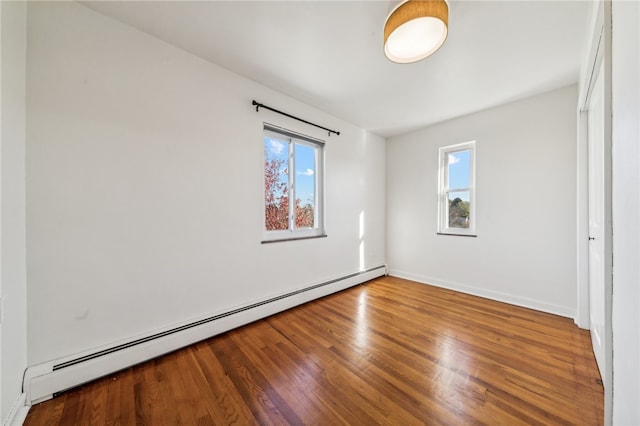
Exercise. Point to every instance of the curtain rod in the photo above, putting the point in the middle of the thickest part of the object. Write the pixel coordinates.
(258, 105)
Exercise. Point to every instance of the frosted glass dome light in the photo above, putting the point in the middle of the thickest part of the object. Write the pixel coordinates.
(415, 29)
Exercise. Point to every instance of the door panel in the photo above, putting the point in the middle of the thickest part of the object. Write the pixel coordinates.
(596, 221)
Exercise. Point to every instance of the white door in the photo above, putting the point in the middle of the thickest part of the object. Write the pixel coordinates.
(596, 221)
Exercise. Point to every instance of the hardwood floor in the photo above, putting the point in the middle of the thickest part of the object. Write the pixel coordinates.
(387, 352)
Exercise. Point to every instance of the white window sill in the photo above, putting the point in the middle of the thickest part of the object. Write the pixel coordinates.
(455, 234)
(301, 237)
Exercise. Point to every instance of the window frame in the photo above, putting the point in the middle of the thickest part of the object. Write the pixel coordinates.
(444, 189)
(292, 139)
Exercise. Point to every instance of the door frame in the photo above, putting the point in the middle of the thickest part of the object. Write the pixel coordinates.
(599, 53)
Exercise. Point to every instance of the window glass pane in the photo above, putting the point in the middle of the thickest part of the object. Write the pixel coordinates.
(305, 186)
(458, 209)
(276, 183)
(293, 184)
(459, 169)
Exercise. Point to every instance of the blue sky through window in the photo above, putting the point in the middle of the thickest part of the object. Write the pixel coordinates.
(459, 171)
(305, 174)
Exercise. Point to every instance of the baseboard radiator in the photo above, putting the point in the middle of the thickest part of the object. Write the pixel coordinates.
(43, 381)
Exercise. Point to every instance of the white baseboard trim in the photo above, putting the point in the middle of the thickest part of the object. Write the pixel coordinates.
(42, 381)
(18, 412)
(488, 294)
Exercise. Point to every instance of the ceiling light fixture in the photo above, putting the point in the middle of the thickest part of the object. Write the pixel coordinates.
(415, 29)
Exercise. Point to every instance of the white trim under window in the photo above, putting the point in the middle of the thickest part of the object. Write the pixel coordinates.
(293, 170)
(457, 189)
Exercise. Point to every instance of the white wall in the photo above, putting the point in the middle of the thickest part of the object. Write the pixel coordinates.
(144, 176)
(525, 249)
(13, 343)
(626, 211)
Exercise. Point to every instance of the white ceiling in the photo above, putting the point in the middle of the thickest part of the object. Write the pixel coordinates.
(329, 53)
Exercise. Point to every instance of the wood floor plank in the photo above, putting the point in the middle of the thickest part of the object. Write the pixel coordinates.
(72, 407)
(177, 399)
(342, 406)
(264, 402)
(120, 405)
(227, 402)
(96, 408)
(294, 387)
(388, 352)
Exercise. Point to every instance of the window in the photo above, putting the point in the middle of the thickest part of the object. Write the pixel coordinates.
(456, 196)
(292, 171)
